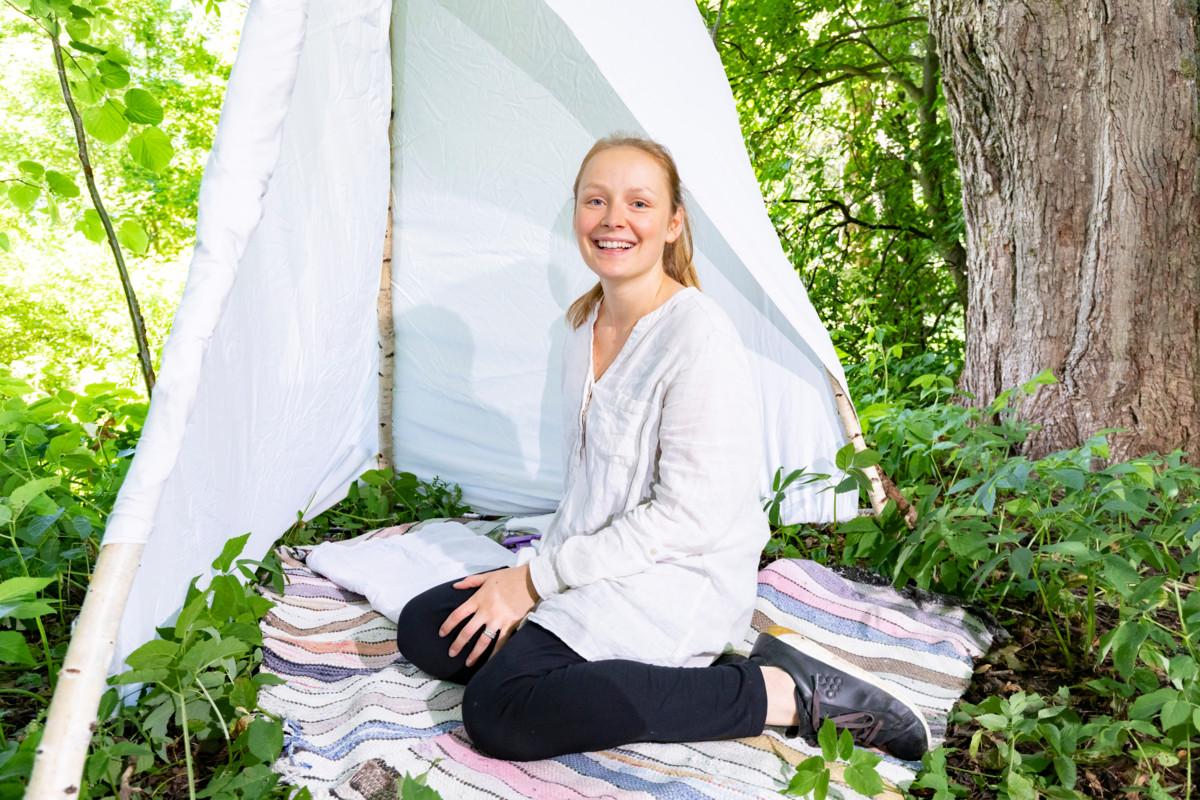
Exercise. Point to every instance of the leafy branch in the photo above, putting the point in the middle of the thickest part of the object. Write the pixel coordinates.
(135, 311)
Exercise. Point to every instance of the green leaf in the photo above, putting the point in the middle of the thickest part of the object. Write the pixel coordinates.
(1147, 705)
(201, 655)
(142, 107)
(140, 676)
(1126, 641)
(27, 610)
(31, 168)
(1069, 477)
(21, 588)
(152, 149)
(24, 196)
(993, 722)
(804, 780)
(191, 611)
(1123, 577)
(88, 91)
(84, 47)
(865, 458)
(864, 780)
(845, 746)
(231, 550)
(415, 789)
(24, 494)
(844, 456)
(117, 55)
(91, 226)
(61, 184)
(1020, 561)
(1065, 769)
(264, 740)
(79, 29)
(14, 649)
(1043, 378)
(821, 790)
(243, 694)
(131, 234)
(112, 74)
(1175, 712)
(5, 244)
(153, 654)
(827, 738)
(105, 122)
(1020, 787)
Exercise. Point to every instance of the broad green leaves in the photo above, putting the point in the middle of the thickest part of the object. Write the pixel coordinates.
(24, 196)
(14, 649)
(142, 107)
(151, 149)
(201, 681)
(858, 770)
(105, 121)
(112, 75)
(61, 185)
(131, 234)
(111, 111)
(91, 226)
(853, 151)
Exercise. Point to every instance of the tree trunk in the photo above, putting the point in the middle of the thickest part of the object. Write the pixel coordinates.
(1077, 132)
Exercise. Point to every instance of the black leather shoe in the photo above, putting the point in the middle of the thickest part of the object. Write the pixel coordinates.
(829, 687)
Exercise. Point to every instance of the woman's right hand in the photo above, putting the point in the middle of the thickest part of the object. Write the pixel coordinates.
(503, 599)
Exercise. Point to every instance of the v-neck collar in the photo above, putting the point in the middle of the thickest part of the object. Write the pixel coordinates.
(648, 317)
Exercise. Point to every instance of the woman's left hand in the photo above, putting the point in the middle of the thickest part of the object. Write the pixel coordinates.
(503, 599)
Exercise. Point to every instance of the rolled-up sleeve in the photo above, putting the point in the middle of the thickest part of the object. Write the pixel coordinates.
(710, 444)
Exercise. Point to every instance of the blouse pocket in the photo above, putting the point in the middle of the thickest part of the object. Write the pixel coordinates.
(614, 426)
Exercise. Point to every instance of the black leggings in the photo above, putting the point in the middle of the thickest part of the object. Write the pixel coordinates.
(538, 698)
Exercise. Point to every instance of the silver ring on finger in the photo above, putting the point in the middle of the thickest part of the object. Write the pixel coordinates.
(491, 634)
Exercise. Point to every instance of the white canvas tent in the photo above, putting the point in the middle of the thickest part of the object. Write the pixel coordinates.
(471, 119)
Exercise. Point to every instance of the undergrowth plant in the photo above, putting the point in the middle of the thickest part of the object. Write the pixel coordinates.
(1090, 565)
(855, 766)
(184, 720)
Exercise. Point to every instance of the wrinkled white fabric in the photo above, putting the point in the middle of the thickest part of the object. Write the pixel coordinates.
(653, 552)
(391, 571)
(266, 404)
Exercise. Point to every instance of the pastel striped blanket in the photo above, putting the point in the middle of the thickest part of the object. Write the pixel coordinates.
(357, 715)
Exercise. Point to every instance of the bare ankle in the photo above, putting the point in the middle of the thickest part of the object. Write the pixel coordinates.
(781, 697)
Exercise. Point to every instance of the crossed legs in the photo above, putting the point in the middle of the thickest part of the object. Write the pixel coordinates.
(538, 698)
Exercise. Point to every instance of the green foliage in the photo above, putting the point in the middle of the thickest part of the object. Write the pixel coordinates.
(1094, 562)
(380, 497)
(813, 774)
(416, 788)
(201, 688)
(156, 79)
(190, 722)
(843, 116)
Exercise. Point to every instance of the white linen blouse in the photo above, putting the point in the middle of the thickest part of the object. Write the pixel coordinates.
(653, 553)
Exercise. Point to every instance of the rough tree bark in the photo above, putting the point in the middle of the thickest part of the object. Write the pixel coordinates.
(1077, 132)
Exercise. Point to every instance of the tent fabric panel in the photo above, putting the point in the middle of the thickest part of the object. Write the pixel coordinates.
(495, 106)
(484, 260)
(279, 316)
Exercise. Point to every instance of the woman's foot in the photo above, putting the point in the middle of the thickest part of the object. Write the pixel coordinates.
(826, 686)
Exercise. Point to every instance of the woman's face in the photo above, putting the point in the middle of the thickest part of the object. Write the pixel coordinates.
(623, 216)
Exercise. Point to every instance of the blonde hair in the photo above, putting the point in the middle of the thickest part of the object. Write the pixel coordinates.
(677, 255)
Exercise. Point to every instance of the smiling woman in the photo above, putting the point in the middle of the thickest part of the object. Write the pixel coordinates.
(647, 572)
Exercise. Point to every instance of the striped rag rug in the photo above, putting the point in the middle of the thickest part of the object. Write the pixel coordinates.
(357, 715)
